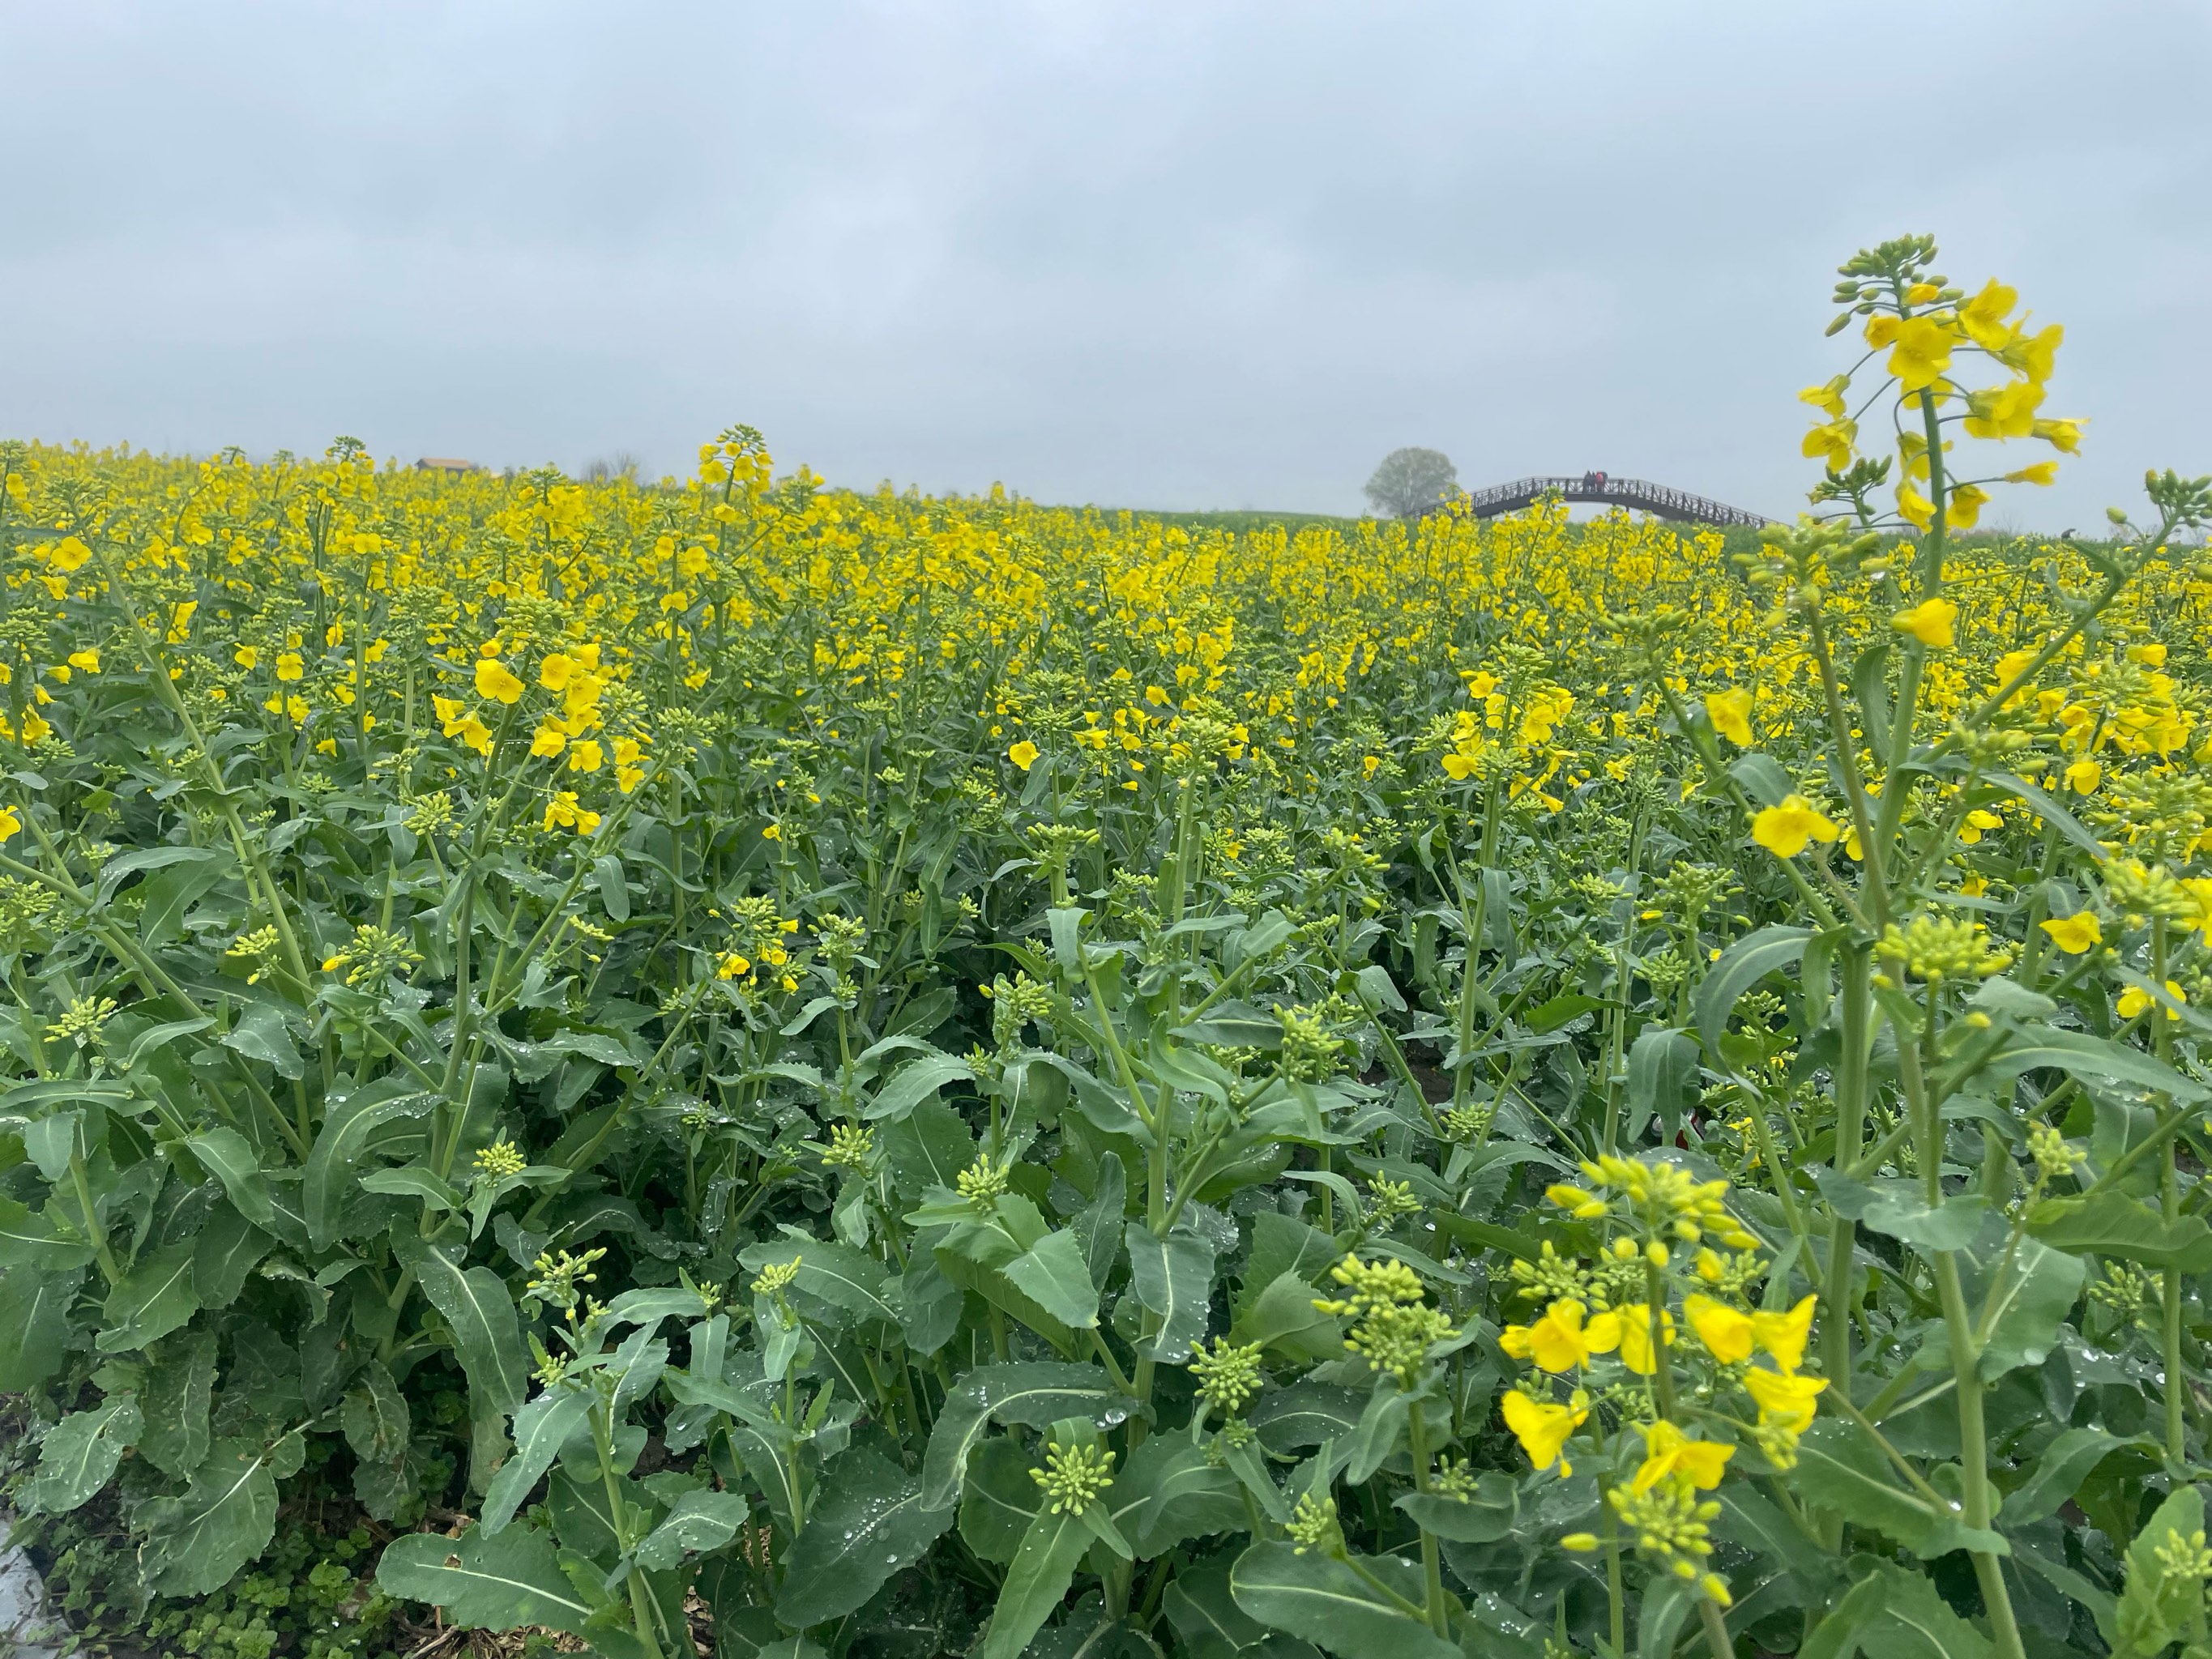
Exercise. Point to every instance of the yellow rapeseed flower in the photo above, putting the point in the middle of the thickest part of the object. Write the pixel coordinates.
(1784, 830)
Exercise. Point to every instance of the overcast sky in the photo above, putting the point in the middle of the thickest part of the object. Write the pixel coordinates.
(1183, 254)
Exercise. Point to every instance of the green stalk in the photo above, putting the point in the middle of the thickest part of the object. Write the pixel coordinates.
(1417, 1435)
(2169, 1198)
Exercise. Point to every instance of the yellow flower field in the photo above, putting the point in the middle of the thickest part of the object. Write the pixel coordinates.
(1037, 1078)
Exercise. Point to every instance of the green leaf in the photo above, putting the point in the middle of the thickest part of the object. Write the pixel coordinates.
(1900, 1208)
(1662, 1068)
(341, 1145)
(997, 1498)
(1169, 1493)
(928, 1147)
(1035, 1394)
(2111, 1224)
(1284, 1315)
(2093, 1060)
(262, 1034)
(1054, 1274)
(1762, 777)
(1306, 1413)
(30, 1239)
(1841, 1469)
(1097, 1225)
(837, 1273)
(151, 1300)
(869, 1523)
(1741, 966)
(490, 1581)
(2026, 1304)
(2047, 808)
(1173, 1277)
(1552, 1013)
(1483, 1517)
(1036, 1581)
(34, 1325)
(374, 1415)
(914, 1082)
(481, 1313)
(1903, 1617)
(413, 1181)
(175, 1402)
(542, 1427)
(1206, 1616)
(697, 1521)
(79, 1454)
(1324, 1602)
(195, 1543)
(226, 1249)
(226, 1155)
(2057, 1475)
(2153, 1604)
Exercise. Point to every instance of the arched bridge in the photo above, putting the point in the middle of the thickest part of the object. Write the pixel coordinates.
(1677, 504)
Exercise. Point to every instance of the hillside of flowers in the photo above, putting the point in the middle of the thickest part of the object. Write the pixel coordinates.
(594, 1065)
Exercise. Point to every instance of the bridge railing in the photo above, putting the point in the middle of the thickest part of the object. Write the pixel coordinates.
(1680, 504)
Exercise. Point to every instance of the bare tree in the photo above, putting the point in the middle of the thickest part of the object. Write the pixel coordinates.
(1410, 481)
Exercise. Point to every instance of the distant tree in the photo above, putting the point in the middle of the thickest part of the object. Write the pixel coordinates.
(1410, 481)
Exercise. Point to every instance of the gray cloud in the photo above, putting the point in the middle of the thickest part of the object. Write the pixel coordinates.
(1212, 254)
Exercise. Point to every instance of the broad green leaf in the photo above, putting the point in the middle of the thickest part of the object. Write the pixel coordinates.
(1306, 1413)
(1173, 1277)
(1900, 1208)
(1661, 1068)
(1037, 1580)
(151, 1300)
(2093, 1060)
(488, 1581)
(1035, 1394)
(542, 1427)
(1284, 1315)
(374, 1415)
(1097, 1225)
(2155, 1605)
(413, 1181)
(999, 1499)
(226, 1249)
(914, 1082)
(79, 1454)
(697, 1521)
(869, 1523)
(1741, 966)
(342, 1144)
(2058, 1474)
(225, 1516)
(928, 1147)
(178, 1391)
(839, 1274)
(476, 1306)
(2111, 1224)
(1054, 1274)
(1839, 1467)
(1486, 1514)
(1325, 1602)
(2024, 1301)
(30, 1240)
(1178, 1494)
(1206, 1615)
(261, 1033)
(34, 1325)
(1895, 1614)
(225, 1154)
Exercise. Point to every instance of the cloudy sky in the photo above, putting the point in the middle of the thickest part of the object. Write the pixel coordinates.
(1194, 253)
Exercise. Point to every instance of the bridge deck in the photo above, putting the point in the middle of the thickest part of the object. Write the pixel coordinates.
(1679, 505)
